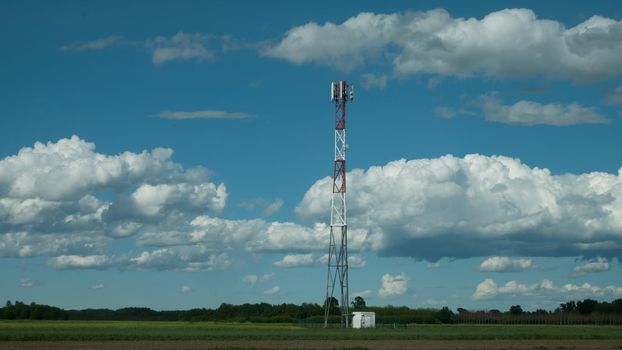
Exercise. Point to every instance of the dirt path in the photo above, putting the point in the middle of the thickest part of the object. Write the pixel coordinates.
(316, 344)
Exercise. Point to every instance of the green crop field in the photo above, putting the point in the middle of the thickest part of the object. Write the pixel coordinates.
(121, 330)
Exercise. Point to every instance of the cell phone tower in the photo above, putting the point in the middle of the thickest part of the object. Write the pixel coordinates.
(340, 94)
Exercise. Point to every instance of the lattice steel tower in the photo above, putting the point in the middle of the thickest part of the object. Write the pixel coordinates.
(340, 94)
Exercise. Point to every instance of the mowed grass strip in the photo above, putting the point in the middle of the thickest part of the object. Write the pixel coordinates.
(143, 330)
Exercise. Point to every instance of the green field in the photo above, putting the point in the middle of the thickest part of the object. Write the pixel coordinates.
(121, 330)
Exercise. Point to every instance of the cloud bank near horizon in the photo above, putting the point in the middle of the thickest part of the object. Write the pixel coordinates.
(66, 201)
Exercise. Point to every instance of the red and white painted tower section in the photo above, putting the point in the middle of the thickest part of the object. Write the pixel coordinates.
(340, 94)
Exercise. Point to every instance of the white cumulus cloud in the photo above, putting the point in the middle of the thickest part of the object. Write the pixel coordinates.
(433, 265)
(445, 112)
(371, 81)
(28, 244)
(266, 277)
(345, 46)
(488, 288)
(599, 265)
(295, 260)
(26, 282)
(97, 44)
(80, 262)
(393, 285)
(180, 46)
(152, 199)
(205, 114)
(484, 205)
(354, 261)
(187, 258)
(49, 204)
(505, 264)
(273, 207)
(272, 291)
(505, 43)
(70, 168)
(254, 235)
(534, 113)
(250, 280)
(587, 290)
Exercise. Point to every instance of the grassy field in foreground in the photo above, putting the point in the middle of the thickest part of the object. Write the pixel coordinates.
(121, 330)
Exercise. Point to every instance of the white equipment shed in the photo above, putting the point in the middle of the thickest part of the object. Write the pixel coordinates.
(363, 319)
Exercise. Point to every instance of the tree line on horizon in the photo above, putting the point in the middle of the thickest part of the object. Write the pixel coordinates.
(587, 311)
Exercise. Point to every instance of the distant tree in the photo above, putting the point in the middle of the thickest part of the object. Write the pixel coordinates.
(568, 307)
(601, 313)
(445, 315)
(516, 310)
(603, 308)
(332, 301)
(462, 310)
(333, 304)
(226, 311)
(22, 311)
(586, 306)
(358, 302)
(9, 312)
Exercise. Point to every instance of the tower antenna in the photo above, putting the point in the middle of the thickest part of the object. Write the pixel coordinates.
(340, 94)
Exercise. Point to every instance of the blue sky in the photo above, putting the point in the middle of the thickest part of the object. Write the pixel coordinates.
(176, 155)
